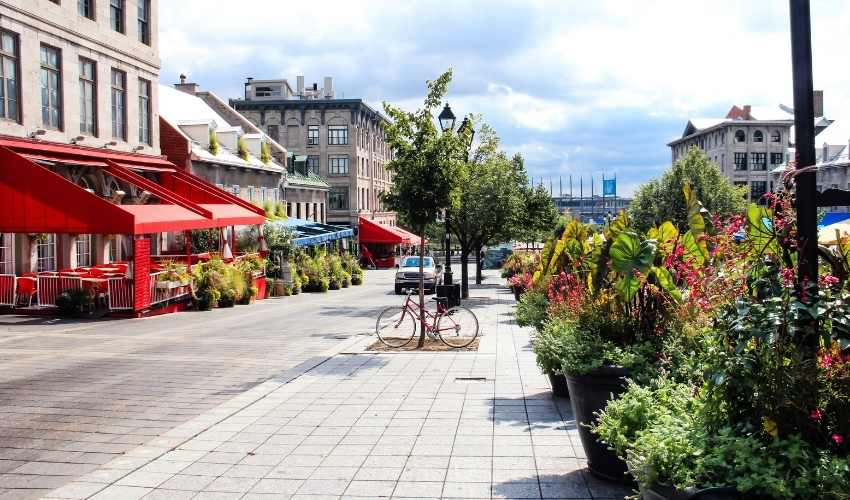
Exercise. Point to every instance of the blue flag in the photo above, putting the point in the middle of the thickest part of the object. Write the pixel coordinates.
(609, 187)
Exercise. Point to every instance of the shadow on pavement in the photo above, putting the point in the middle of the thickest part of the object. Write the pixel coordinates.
(576, 483)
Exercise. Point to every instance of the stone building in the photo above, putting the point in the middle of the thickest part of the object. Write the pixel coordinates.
(747, 144)
(79, 73)
(342, 139)
(188, 125)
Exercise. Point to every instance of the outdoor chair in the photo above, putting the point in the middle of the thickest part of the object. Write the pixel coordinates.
(27, 288)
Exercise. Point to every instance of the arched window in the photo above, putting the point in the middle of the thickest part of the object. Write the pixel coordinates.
(740, 136)
(776, 136)
(758, 136)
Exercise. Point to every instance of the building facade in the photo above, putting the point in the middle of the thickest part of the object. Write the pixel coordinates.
(342, 139)
(744, 147)
(82, 73)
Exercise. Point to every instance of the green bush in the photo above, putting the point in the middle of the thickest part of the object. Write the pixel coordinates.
(531, 309)
(547, 348)
(75, 302)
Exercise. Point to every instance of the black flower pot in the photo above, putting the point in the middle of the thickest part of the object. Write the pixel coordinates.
(517, 292)
(668, 493)
(559, 385)
(589, 394)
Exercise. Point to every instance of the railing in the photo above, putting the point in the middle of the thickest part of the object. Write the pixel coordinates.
(7, 289)
(50, 287)
(120, 296)
(164, 291)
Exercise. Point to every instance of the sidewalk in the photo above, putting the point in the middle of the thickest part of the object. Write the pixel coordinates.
(362, 425)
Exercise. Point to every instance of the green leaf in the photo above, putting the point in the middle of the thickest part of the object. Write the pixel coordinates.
(629, 253)
(665, 281)
(760, 229)
(666, 234)
(692, 248)
(696, 223)
(627, 286)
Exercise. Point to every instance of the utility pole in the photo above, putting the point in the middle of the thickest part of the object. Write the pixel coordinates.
(804, 120)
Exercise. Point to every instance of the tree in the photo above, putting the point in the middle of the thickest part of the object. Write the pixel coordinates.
(539, 215)
(425, 169)
(489, 202)
(661, 199)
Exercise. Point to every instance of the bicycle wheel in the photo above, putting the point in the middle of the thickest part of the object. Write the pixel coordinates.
(395, 327)
(457, 327)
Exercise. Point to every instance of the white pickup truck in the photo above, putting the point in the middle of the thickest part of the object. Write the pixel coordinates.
(407, 276)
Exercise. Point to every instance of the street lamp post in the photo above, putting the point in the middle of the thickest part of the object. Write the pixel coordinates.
(447, 122)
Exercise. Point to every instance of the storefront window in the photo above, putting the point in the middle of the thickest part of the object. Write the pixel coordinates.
(46, 253)
(7, 253)
(83, 248)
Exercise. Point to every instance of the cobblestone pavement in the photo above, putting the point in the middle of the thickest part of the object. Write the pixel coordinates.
(365, 425)
(76, 395)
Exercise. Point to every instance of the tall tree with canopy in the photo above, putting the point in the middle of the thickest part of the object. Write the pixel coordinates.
(426, 168)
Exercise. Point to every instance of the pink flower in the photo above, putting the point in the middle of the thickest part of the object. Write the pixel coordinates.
(827, 281)
(816, 415)
(826, 360)
(787, 274)
(838, 438)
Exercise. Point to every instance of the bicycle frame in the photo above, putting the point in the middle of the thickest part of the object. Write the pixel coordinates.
(412, 306)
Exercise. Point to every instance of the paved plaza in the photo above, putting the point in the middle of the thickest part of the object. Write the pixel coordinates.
(367, 425)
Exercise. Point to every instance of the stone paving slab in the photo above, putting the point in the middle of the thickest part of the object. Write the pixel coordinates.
(364, 425)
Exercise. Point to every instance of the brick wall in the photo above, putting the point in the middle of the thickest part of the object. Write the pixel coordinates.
(174, 145)
(141, 273)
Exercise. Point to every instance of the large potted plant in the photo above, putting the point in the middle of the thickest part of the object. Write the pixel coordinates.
(547, 349)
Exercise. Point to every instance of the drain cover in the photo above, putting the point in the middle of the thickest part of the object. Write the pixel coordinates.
(470, 379)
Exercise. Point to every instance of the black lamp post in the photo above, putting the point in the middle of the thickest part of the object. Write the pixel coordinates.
(447, 122)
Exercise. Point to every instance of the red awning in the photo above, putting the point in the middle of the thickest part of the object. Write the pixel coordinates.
(414, 240)
(373, 232)
(34, 199)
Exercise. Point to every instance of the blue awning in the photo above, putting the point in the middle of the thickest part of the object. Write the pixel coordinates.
(308, 233)
(832, 217)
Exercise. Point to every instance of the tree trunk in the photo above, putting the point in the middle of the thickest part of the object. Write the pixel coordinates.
(478, 263)
(421, 289)
(464, 272)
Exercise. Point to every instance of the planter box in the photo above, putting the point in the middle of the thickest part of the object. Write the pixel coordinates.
(590, 394)
(559, 385)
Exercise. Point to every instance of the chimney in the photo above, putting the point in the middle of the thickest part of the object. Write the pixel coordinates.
(748, 112)
(329, 87)
(189, 88)
(300, 85)
(818, 102)
(248, 89)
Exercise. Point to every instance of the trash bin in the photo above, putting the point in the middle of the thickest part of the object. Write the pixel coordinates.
(449, 293)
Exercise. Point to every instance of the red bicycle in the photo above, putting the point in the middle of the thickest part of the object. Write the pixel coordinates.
(456, 327)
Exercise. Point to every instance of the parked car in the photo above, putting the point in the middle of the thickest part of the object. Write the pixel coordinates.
(495, 256)
(407, 276)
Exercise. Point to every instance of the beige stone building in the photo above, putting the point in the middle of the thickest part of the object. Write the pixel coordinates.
(342, 139)
(81, 71)
(747, 145)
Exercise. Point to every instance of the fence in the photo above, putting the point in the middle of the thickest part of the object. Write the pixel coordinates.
(50, 287)
(164, 291)
(120, 294)
(7, 289)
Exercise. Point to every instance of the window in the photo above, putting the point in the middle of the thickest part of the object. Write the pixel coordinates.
(268, 91)
(740, 161)
(776, 136)
(83, 248)
(9, 76)
(338, 198)
(740, 136)
(274, 132)
(51, 96)
(7, 253)
(758, 136)
(250, 193)
(337, 165)
(119, 105)
(88, 97)
(338, 135)
(757, 191)
(85, 8)
(145, 21)
(237, 191)
(145, 112)
(46, 254)
(313, 135)
(116, 15)
(758, 161)
(313, 164)
(777, 158)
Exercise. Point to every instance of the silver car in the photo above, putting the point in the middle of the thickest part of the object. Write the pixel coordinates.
(407, 276)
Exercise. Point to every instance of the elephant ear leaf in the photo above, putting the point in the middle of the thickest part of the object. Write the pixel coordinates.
(760, 229)
(696, 223)
(665, 281)
(629, 253)
(666, 235)
(693, 250)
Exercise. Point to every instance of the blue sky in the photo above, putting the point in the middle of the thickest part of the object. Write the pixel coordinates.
(577, 87)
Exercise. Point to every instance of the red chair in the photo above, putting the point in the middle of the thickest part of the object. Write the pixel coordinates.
(27, 288)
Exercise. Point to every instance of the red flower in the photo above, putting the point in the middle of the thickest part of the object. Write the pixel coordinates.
(816, 415)
(826, 360)
(838, 438)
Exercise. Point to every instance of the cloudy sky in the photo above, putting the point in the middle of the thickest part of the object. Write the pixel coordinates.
(578, 87)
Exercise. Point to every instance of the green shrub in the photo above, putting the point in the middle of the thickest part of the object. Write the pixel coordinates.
(265, 153)
(531, 309)
(214, 147)
(242, 149)
(547, 348)
(75, 302)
